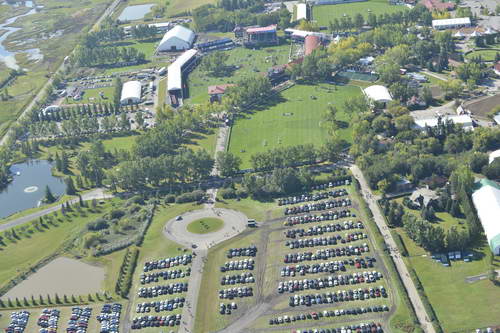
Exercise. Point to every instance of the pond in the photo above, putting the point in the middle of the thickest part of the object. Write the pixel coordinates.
(136, 12)
(28, 186)
(64, 276)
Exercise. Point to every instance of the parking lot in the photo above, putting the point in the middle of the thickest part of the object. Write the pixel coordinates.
(314, 265)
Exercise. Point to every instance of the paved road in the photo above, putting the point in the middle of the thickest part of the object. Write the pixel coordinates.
(94, 194)
(396, 257)
(41, 92)
(234, 223)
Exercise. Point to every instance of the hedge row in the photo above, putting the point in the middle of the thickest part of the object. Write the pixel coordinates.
(126, 273)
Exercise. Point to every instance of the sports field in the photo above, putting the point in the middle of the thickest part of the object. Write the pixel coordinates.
(324, 14)
(295, 120)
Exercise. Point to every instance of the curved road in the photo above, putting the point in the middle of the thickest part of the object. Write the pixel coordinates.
(413, 294)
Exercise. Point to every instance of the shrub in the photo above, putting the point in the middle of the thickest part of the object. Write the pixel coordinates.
(228, 193)
(190, 196)
(117, 213)
(136, 199)
(170, 198)
(97, 225)
(241, 193)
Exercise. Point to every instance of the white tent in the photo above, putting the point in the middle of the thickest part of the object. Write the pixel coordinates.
(378, 93)
(301, 11)
(487, 202)
(453, 23)
(475, 34)
(493, 155)
(176, 39)
(464, 120)
(175, 70)
(459, 34)
(131, 93)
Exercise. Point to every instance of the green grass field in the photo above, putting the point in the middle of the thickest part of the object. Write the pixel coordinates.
(324, 14)
(295, 120)
(93, 96)
(120, 142)
(486, 55)
(162, 92)
(205, 225)
(250, 62)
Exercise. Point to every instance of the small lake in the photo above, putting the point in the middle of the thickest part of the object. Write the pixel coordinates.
(64, 276)
(6, 56)
(28, 187)
(136, 12)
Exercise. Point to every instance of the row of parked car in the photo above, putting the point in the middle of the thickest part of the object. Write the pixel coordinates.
(18, 322)
(354, 328)
(250, 251)
(327, 314)
(245, 277)
(323, 254)
(109, 318)
(172, 288)
(185, 260)
(338, 296)
(312, 218)
(236, 292)
(238, 265)
(318, 206)
(311, 197)
(343, 182)
(159, 306)
(324, 241)
(226, 309)
(79, 319)
(329, 281)
(318, 230)
(49, 320)
(327, 267)
(155, 321)
(165, 275)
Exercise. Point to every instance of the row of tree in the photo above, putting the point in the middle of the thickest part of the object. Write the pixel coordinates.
(110, 55)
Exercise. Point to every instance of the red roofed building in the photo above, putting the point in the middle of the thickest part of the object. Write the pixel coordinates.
(310, 44)
(496, 68)
(217, 91)
(260, 36)
(438, 5)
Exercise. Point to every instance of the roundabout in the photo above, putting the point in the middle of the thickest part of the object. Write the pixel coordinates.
(204, 228)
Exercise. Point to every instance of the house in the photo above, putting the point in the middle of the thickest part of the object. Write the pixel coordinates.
(260, 36)
(216, 92)
(487, 202)
(423, 197)
(177, 39)
(438, 5)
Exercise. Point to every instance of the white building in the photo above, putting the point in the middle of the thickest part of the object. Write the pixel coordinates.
(378, 93)
(464, 120)
(454, 23)
(131, 93)
(177, 39)
(493, 155)
(175, 70)
(302, 12)
(51, 109)
(487, 203)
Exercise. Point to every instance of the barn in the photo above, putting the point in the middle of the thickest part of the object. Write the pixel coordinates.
(177, 39)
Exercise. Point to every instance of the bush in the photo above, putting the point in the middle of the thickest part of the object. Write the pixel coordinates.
(97, 225)
(190, 196)
(136, 199)
(228, 193)
(170, 198)
(241, 193)
(117, 213)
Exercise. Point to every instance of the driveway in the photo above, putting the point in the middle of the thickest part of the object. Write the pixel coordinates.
(413, 295)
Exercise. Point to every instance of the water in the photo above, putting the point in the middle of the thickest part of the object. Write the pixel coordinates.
(28, 187)
(7, 57)
(137, 12)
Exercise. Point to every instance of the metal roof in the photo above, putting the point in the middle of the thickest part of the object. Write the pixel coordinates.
(451, 22)
(175, 70)
(179, 32)
(378, 93)
(131, 90)
(487, 202)
(270, 28)
(301, 11)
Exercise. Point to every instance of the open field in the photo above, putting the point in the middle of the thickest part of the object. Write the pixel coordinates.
(248, 62)
(295, 120)
(324, 14)
(486, 55)
(482, 107)
(205, 226)
(119, 143)
(94, 96)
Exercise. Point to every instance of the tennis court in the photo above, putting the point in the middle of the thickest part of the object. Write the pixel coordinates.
(359, 76)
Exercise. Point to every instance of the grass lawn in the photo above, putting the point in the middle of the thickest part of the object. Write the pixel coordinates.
(204, 141)
(93, 96)
(120, 142)
(324, 14)
(295, 120)
(249, 62)
(205, 225)
(486, 55)
(162, 92)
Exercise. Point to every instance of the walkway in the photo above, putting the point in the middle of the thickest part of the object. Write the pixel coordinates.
(97, 194)
(234, 223)
(396, 257)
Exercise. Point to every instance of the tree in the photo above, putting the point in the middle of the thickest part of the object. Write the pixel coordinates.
(139, 119)
(117, 92)
(215, 63)
(49, 197)
(227, 163)
(70, 186)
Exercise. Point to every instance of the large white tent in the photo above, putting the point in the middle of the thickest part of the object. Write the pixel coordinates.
(378, 93)
(175, 70)
(452, 23)
(131, 93)
(177, 39)
(487, 203)
(302, 11)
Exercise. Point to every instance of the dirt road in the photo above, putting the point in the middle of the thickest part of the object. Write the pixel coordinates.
(396, 257)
